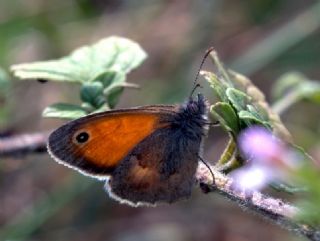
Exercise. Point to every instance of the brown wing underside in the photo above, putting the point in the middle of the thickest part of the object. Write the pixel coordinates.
(157, 170)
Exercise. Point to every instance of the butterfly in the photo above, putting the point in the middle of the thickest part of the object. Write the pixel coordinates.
(146, 155)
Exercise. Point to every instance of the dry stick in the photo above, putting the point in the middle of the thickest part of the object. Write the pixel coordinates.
(23, 144)
(269, 208)
(272, 209)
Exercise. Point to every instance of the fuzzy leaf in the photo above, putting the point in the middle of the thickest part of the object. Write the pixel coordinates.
(115, 83)
(114, 95)
(310, 91)
(65, 111)
(86, 63)
(256, 111)
(92, 93)
(4, 94)
(238, 99)
(113, 80)
(298, 85)
(248, 118)
(218, 86)
(226, 116)
(4, 81)
(261, 107)
(286, 82)
(110, 77)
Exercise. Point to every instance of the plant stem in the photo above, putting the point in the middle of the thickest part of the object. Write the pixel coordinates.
(273, 209)
(23, 144)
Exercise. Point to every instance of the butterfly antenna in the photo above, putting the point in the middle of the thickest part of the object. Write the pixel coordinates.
(207, 165)
(195, 84)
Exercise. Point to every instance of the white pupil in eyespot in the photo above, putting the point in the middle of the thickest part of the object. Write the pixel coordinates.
(82, 137)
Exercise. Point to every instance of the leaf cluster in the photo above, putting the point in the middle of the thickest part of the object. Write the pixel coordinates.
(241, 104)
(100, 70)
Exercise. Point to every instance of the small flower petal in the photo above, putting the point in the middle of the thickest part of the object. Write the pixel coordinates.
(259, 143)
(254, 177)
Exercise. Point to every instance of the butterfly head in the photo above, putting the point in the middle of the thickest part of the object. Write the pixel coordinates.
(197, 106)
(192, 117)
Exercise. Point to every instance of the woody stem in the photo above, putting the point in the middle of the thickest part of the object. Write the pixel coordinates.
(273, 209)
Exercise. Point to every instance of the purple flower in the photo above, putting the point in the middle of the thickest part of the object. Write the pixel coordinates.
(267, 157)
(252, 177)
(259, 144)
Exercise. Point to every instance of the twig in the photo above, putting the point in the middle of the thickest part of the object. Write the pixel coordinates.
(275, 210)
(272, 209)
(23, 144)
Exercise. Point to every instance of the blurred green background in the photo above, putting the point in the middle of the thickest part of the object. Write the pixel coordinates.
(41, 200)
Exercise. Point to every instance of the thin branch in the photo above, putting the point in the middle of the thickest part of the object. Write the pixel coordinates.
(275, 210)
(23, 144)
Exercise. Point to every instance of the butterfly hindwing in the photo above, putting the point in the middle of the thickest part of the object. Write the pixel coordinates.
(161, 168)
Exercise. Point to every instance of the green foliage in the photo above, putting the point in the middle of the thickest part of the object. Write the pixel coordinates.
(226, 116)
(297, 84)
(293, 87)
(4, 90)
(241, 104)
(65, 111)
(288, 90)
(308, 175)
(100, 69)
(4, 81)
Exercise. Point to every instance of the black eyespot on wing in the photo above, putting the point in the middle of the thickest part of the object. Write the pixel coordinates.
(82, 137)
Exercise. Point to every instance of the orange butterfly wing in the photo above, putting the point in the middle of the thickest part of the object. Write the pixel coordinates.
(110, 137)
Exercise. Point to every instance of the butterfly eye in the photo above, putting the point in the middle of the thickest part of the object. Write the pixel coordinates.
(82, 137)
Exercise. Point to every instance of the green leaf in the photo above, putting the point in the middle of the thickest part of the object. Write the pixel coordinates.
(257, 112)
(259, 107)
(296, 85)
(110, 77)
(65, 111)
(245, 85)
(103, 108)
(113, 80)
(218, 86)
(286, 82)
(92, 93)
(4, 81)
(310, 91)
(114, 83)
(238, 99)
(114, 95)
(249, 118)
(5, 85)
(226, 116)
(86, 63)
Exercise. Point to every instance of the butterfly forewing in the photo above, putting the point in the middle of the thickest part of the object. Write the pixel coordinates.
(96, 144)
